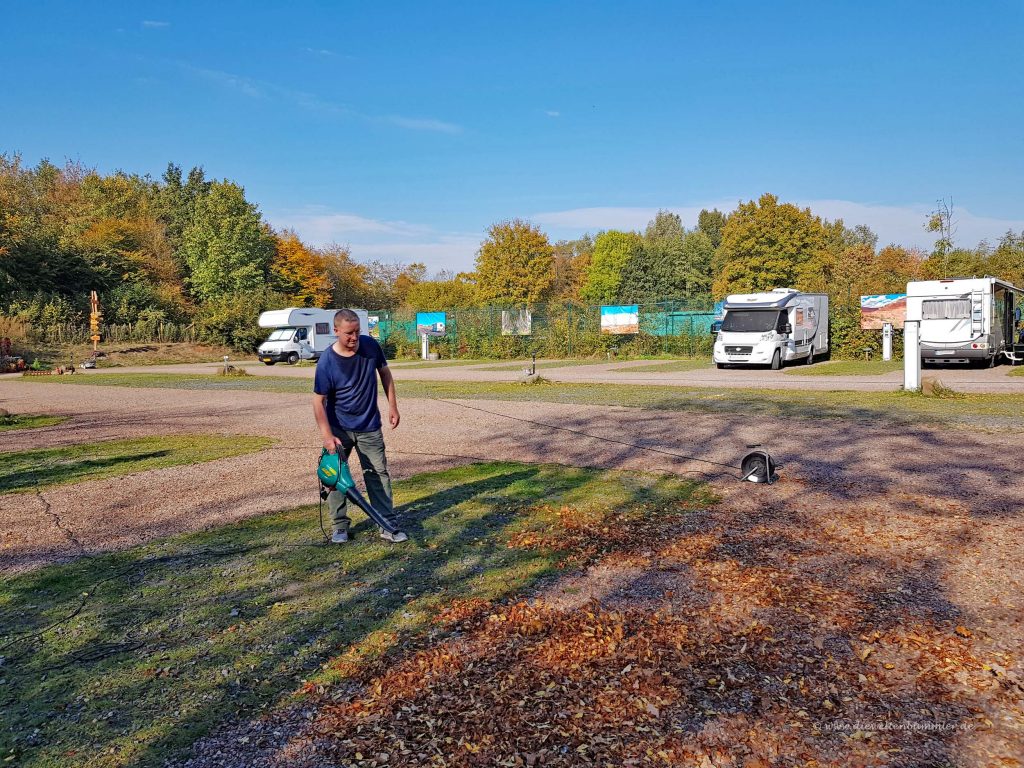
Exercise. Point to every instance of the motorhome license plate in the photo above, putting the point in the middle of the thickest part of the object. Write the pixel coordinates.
(946, 352)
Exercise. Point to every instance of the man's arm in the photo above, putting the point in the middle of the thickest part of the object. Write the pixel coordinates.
(320, 414)
(389, 389)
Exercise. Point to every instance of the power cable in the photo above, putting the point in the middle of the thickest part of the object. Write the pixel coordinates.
(768, 464)
(594, 437)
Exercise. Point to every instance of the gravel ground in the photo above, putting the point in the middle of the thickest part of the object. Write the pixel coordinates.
(925, 519)
(993, 380)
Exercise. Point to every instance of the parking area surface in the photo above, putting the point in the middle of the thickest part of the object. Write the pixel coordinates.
(921, 525)
(978, 380)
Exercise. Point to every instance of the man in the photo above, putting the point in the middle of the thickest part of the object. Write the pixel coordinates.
(345, 407)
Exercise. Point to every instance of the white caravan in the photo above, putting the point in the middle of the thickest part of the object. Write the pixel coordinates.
(772, 328)
(967, 319)
(300, 334)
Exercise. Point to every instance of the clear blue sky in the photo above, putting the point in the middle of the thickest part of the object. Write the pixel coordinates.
(406, 128)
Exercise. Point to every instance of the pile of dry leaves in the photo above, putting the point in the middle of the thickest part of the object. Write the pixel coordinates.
(741, 661)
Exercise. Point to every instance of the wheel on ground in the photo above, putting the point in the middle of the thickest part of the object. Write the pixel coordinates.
(720, 366)
(993, 361)
(776, 360)
(293, 358)
(810, 356)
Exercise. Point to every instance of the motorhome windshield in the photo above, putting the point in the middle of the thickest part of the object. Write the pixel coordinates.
(281, 334)
(751, 320)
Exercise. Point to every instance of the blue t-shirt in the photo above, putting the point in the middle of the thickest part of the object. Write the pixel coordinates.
(350, 385)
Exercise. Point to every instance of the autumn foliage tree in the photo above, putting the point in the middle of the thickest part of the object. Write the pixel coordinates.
(300, 272)
(515, 265)
(766, 245)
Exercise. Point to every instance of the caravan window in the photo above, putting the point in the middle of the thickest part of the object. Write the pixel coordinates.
(300, 335)
(322, 328)
(946, 309)
(750, 320)
(281, 334)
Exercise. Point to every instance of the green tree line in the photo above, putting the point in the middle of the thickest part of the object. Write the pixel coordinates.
(186, 249)
(183, 249)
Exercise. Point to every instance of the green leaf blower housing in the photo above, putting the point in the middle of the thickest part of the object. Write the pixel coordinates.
(334, 475)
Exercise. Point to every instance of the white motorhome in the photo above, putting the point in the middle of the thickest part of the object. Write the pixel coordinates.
(300, 334)
(966, 320)
(772, 328)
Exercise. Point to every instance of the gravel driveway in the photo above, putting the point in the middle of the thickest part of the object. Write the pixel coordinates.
(851, 463)
(993, 380)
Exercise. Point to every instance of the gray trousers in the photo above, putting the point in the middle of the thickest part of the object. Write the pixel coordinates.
(370, 450)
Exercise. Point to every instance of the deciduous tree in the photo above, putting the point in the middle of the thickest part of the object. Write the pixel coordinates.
(226, 245)
(300, 272)
(613, 250)
(515, 265)
(766, 245)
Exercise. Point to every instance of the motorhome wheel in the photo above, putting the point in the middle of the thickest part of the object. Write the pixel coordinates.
(777, 360)
(810, 356)
(293, 358)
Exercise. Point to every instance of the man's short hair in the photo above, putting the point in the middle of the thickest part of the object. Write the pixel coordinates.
(345, 314)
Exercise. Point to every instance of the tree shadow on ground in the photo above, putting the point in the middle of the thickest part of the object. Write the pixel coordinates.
(190, 631)
(61, 471)
(858, 612)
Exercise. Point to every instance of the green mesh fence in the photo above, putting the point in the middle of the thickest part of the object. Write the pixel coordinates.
(554, 330)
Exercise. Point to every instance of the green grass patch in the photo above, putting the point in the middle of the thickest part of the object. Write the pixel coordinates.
(543, 364)
(847, 368)
(417, 364)
(126, 659)
(10, 421)
(989, 411)
(23, 471)
(1017, 370)
(687, 364)
(199, 381)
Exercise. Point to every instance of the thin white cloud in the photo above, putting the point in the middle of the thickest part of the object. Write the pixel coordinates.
(376, 239)
(904, 224)
(622, 218)
(900, 224)
(455, 253)
(246, 85)
(552, 113)
(423, 124)
(148, 24)
(262, 89)
(319, 51)
(321, 226)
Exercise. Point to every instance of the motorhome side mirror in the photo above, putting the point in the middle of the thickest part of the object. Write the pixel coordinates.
(715, 328)
(787, 328)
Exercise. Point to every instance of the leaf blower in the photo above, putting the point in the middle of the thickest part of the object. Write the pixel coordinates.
(334, 476)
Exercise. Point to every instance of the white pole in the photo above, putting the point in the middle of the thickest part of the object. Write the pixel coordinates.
(887, 341)
(425, 348)
(912, 356)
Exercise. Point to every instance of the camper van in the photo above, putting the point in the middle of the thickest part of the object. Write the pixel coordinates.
(772, 328)
(966, 320)
(300, 334)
